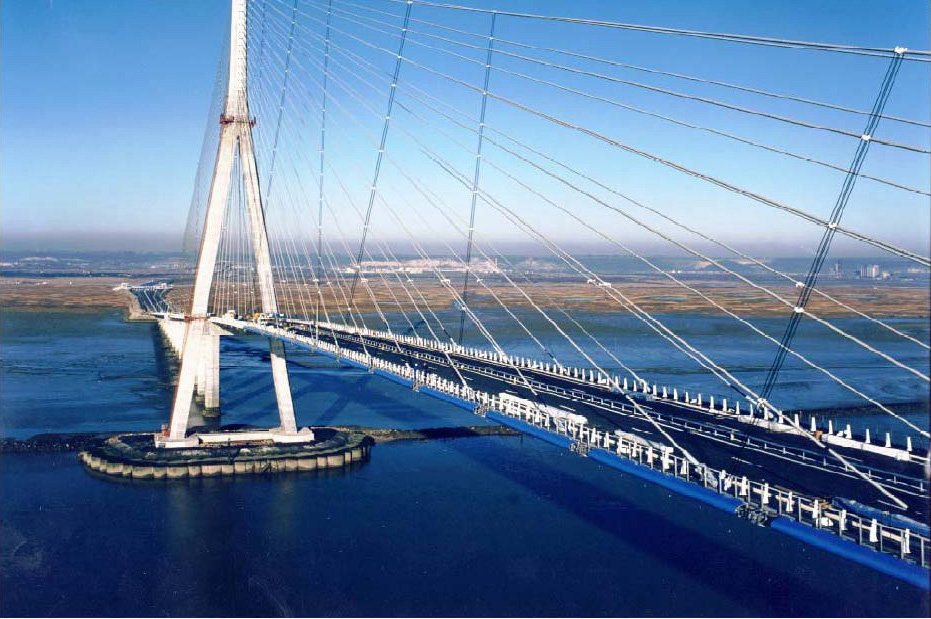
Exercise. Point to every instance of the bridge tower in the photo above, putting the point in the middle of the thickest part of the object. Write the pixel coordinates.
(199, 357)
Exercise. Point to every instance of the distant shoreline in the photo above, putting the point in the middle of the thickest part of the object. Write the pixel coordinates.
(97, 294)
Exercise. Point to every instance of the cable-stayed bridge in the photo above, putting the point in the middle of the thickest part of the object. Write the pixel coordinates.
(415, 188)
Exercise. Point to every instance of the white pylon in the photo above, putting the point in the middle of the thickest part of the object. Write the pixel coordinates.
(235, 134)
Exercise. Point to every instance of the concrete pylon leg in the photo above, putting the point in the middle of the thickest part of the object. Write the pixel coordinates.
(212, 373)
(190, 358)
(196, 325)
(282, 386)
(265, 278)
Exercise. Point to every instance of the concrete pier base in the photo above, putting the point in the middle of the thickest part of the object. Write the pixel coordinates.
(173, 330)
(208, 375)
(304, 436)
(134, 456)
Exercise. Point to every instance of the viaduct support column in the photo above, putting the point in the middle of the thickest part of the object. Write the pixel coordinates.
(190, 358)
(201, 380)
(211, 356)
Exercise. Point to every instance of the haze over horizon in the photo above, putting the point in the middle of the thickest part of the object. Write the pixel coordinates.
(171, 244)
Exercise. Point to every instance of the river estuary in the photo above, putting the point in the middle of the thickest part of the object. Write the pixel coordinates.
(490, 526)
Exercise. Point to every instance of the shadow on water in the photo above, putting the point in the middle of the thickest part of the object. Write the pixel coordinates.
(343, 401)
(166, 364)
(681, 548)
(241, 398)
(348, 386)
(630, 512)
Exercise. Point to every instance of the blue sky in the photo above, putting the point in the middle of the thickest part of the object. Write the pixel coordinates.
(103, 103)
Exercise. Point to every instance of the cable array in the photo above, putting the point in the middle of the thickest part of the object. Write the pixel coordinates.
(431, 169)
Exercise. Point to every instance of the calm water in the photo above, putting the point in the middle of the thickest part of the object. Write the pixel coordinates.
(484, 526)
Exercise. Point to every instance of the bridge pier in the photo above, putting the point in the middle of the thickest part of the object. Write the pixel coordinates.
(210, 360)
(173, 330)
(200, 382)
(207, 382)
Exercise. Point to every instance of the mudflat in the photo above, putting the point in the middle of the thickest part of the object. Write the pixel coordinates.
(58, 293)
(654, 297)
(657, 296)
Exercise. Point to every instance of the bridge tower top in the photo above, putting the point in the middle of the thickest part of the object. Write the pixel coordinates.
(236, 106)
